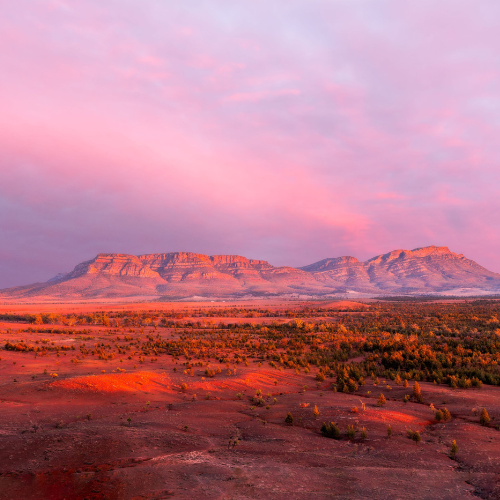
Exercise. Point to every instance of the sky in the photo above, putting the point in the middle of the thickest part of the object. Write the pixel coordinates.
(289, 131)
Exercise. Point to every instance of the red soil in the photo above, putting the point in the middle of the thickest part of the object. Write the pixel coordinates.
(94, 435)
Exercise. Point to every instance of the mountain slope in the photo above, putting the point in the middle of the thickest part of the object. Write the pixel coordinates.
(424, 270)
(184, 274)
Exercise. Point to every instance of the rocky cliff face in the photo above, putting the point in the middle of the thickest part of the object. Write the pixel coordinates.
(115, 264)
(184, 274)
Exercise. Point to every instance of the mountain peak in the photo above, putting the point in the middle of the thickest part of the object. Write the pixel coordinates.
(172, 275)
(430, 251)
(332, 263)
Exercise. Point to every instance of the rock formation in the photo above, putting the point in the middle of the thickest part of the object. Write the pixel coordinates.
(184, 274)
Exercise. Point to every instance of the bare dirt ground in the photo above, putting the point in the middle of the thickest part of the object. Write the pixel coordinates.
(27, 307)
(123, 430)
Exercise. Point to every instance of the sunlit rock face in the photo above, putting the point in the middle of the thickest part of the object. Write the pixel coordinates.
(185, 274)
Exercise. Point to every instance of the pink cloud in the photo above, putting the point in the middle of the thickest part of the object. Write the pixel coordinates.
(291, 133)
(260, 96)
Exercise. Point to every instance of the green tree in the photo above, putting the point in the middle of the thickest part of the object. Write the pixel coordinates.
(289, 419)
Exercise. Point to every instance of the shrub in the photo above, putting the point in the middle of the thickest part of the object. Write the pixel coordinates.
(446, 415)
(350, 432)
(330, 430)
(389, 431)
(414, 435)
(364, 434)
(454, 449)
(484, 419)
(381, 400)
(258, 401)
(476, 382)
(465, 382)
(289, 419)
(184, 387)
(316, 412)
(439, 416)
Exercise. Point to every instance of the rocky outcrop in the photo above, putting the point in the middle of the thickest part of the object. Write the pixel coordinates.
(116, 264)
(185, 274)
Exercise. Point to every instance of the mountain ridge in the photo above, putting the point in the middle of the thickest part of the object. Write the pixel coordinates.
(186, 274)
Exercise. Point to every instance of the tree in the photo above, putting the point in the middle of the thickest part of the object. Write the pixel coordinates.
(416, 437)
(439, 416)
(446, 415)
(417, 393)
(316, 412)
(364, 434)
(405, 384)
(289, 419)
(381, 400)
(454, 449)
(484, 419)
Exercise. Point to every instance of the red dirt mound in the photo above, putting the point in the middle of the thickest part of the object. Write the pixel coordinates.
(119, 382)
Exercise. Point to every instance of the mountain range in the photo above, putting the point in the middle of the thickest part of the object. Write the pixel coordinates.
(183, 275)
